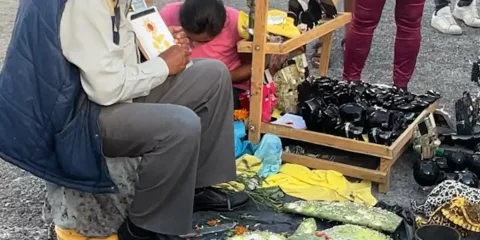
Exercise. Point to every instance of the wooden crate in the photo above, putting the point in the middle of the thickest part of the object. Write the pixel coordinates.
(388, 154)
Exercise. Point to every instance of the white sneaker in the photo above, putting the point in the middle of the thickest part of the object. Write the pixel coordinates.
(468, 14)
(443, 21)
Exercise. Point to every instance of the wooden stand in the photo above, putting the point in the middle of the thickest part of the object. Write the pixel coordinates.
(259, 47)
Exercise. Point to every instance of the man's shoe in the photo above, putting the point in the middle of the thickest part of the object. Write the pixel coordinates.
(126, 233)
(168, 237)
(467, 14)
(213, 199)
(443, 21)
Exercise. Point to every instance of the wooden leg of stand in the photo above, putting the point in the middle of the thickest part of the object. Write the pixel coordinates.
(385, 166)
(325, 54)
(258, 68)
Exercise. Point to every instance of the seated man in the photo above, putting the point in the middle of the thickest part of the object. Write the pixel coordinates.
(73, 91)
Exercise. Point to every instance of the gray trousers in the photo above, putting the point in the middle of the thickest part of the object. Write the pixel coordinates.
(184, 131)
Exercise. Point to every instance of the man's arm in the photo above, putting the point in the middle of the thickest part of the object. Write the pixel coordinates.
(87, 41)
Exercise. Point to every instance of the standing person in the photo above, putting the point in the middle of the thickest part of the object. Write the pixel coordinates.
(80, 97)
(366, 16)
(444, 21)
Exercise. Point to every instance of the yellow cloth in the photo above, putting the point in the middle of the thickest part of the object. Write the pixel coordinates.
(66, 234)
(300, 182)
(247, 166)
(278, 23)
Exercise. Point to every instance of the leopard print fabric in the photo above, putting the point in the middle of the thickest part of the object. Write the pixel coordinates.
(436, 219)
(442, 194)
(439, 219)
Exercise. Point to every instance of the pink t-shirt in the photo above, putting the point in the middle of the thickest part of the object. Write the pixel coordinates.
(223, 47)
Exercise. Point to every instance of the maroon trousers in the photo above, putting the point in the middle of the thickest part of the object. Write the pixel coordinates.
(366, 15)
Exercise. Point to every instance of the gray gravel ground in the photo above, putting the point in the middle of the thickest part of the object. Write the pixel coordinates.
(442, 65)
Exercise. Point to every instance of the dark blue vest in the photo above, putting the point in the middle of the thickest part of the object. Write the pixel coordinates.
(48, 126)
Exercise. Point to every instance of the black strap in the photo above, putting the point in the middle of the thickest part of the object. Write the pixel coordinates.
(116, 23)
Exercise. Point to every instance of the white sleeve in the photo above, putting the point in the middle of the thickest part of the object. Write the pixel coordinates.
(86, 37)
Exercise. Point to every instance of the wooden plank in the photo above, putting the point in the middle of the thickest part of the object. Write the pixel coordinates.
(322, 30)
(325, 54)
(328, 140)
(385, 167)
(406, 136)
(294, 43)
(345, 169)
(258, 68)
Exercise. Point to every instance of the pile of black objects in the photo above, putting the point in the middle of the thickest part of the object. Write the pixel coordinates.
(466, 114)
(357, 109)
(312, 13)
(453, 165)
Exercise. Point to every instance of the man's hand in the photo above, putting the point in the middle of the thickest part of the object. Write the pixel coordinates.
(176, 58)
(180, 37)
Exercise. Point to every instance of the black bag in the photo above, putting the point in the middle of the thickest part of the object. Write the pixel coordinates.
(465, 114)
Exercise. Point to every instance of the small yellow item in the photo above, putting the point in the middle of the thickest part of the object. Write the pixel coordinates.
(68, 234)
(276, 113)
(278, 23)
(248, 166)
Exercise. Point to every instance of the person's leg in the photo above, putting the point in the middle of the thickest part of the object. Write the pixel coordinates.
(442, 18)
(167, 137)
(206, 88)
(366, 15)
(348, 6)
(408, 18)
(466, 10)
(171, 173)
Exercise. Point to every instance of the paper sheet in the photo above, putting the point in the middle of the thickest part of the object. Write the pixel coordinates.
(290, 120)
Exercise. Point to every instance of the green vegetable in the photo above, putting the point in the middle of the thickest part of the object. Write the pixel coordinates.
(353, 232)
(306, 231)
(308, 226)
(347, 212)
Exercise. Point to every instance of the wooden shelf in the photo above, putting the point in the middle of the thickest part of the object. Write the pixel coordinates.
(350, 145)
(347, 170)
(388, 154)
(328, 140)
(325, 27)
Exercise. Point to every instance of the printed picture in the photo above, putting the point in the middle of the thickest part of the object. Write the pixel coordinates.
(152, 34)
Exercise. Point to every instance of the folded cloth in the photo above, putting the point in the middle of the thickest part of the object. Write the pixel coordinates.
(241, 146)
(300, 182)
(269, 151)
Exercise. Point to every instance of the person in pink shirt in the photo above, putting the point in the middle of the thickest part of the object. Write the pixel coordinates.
(212, 30)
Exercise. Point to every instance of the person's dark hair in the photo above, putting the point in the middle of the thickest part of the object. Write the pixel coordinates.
(203, 16)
